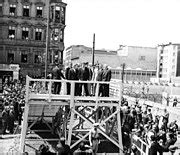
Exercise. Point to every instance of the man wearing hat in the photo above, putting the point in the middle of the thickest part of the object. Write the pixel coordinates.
(94, 138)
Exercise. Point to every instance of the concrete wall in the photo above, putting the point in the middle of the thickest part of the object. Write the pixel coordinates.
(139, 57)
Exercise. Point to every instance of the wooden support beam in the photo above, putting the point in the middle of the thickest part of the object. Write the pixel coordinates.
(25, 118)
(72, 107)
(112, 115)
(119, 120)
(112, 127)
(81, 139)
(86, 117)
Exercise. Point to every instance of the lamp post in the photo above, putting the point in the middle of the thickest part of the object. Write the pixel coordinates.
(122, 72)
(93, 49)
(47, 40)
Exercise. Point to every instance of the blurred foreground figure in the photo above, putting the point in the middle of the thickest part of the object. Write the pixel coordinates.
(94, 138)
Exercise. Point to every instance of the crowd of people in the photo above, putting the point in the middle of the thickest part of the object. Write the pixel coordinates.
(154, 129)
(12, 104)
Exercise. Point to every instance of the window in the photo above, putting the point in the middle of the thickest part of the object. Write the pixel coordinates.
(1, 10)
(26, 11)
(37, 58)
(63, 15)
(12, 10)
(61, 36)
(39, 11)
(38, 34)
(10, 57)
(52, 12)
(11, 32)
(142, 58)
(24, 58)
(57, 14)
(164, 70)
(55, 34)
(25, 33)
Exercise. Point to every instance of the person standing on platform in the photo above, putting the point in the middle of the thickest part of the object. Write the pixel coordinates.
(90, 78)
(57, 75)
(66, 76)
(99, 78)
(94, 78)
(106, 77)
(78, 85)
(84, 76)
(73, 75)
(94, 138)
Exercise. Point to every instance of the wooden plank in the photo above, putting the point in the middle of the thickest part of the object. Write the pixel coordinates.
(25, 118)
(119, 120)
(72, 107)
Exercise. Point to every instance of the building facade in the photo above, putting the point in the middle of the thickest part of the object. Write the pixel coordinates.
(134, 75)
(25, 26)
(80, 53)
(168, 62)
(140, 62)
(138, 58)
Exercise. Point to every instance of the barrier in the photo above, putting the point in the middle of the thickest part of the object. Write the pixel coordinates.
(141, 146)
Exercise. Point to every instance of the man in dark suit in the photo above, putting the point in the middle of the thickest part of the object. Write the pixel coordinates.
(84, 76)
(73, 75)
(106, 77)
(67, 78)
(58, 75)
(155, 147)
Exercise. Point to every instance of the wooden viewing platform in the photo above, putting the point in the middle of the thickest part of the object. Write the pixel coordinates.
(42, 105)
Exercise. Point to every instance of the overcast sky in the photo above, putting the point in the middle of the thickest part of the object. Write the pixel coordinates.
(126, 22)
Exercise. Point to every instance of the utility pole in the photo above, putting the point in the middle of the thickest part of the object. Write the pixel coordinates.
(47, 40)
(93, 49)
(122, 73)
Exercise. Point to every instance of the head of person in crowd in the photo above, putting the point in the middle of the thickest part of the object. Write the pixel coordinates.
(105, 67)
(70, 65)
(165, 110)
(134, 149)
(61, 66)
(82, 146)
(86, 64)
(6, 108)
(100, 66)
(63, 141)
(49, 76)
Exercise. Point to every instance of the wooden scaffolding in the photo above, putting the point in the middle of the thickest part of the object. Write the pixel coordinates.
(85, 109)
